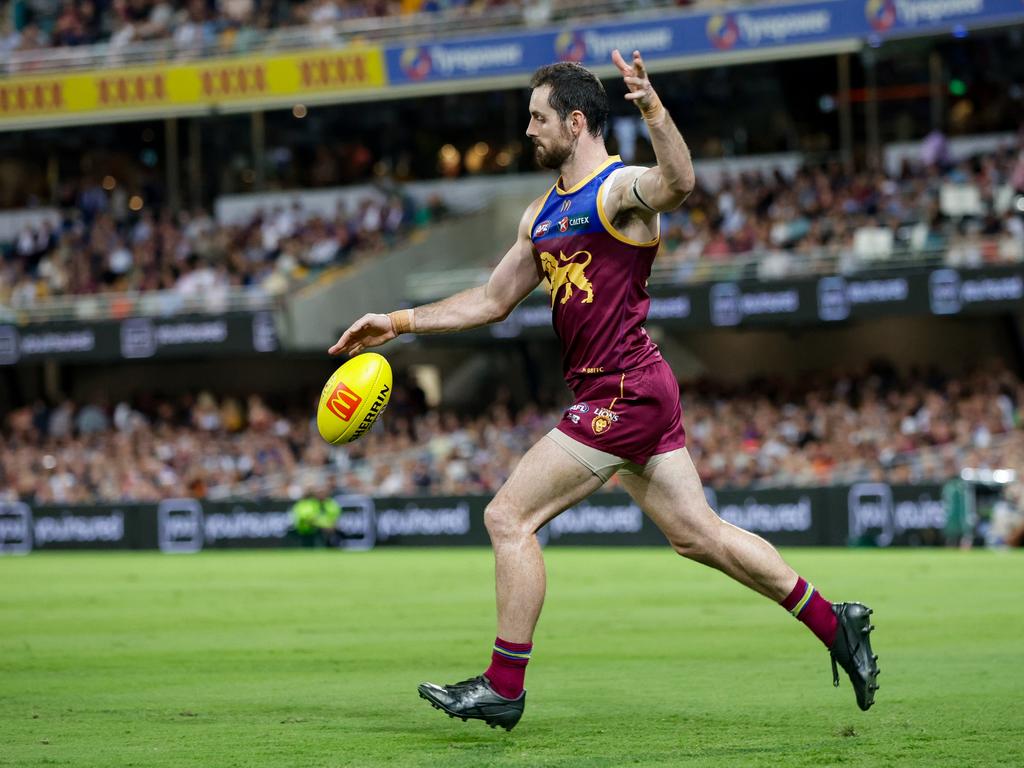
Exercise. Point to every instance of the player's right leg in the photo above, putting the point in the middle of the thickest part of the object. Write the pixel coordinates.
(669, 491)
(546, 481)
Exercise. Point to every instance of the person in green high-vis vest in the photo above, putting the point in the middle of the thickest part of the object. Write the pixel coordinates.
(958, 499)
(314, 518)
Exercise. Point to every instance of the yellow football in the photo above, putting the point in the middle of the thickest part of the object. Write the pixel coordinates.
(352, 399)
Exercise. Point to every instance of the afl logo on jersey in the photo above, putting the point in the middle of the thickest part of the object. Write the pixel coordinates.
(542, 229)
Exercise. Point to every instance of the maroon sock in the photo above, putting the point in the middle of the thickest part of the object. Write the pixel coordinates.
(508, 667)
(807, 604)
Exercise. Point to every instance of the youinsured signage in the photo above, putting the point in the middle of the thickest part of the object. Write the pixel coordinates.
(139, 338)
(864, 514)
(811, 301)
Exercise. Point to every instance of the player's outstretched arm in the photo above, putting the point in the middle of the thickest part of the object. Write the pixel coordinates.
(516, 275)
(667, 185)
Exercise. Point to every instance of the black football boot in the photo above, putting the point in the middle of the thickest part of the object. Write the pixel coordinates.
(851, 650)
(476, 699)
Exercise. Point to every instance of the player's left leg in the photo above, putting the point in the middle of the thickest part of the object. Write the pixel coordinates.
(670, 493)
(546, 481)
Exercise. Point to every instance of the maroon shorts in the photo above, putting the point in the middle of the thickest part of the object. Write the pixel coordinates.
(632, 415)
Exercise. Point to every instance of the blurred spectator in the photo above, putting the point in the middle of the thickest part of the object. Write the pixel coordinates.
(935, 149)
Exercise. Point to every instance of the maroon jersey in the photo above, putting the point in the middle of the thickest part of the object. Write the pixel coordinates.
(598, 281)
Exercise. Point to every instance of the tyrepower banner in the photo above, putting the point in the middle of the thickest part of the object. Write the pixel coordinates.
(168, 89)
(689, 38)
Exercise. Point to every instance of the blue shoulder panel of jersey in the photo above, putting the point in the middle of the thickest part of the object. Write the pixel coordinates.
(573, 211)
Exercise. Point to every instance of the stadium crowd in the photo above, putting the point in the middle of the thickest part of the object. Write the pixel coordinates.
(197, 27)
(877, 425)
(193, 25)
(970, 210)
(759, 224)
(101, 247)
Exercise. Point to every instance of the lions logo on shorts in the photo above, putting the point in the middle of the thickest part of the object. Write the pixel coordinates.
(603, 418)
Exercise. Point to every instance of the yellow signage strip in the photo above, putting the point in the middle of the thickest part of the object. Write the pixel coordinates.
(190, 87)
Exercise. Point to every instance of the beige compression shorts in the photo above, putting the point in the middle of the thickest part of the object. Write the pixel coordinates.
(602, 464)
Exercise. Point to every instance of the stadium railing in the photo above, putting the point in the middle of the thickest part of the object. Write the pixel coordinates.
(338, 34)
(117, 306)
(430, 285)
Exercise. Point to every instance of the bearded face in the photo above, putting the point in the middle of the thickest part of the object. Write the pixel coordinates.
(553, 152)
(553, 141)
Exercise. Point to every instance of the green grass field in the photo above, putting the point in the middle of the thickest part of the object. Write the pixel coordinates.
(311, 658)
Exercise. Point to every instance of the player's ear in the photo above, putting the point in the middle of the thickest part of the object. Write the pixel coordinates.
(577, 122)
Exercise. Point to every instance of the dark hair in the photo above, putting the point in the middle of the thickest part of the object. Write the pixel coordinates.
(574, 87)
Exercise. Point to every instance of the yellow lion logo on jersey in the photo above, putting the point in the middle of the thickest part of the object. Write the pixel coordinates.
(567, 274)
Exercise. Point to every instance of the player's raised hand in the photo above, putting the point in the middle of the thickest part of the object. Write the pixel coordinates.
(634, 75)
(370, 330)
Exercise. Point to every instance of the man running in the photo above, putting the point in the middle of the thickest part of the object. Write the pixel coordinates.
(593, 236)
